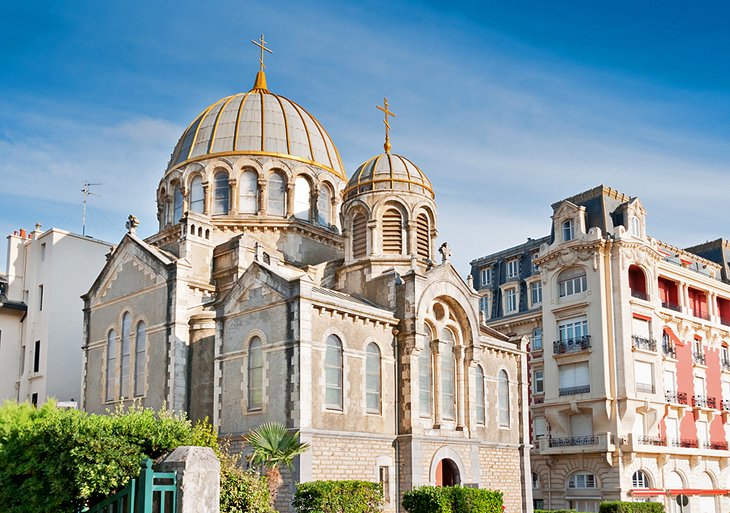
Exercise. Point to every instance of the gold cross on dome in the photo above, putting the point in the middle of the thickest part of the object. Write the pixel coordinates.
(261, 44)
(387, 113)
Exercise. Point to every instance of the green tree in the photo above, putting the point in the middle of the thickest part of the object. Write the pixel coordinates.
(273, 446)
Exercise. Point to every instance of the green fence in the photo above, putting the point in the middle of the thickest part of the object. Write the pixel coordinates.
(151, 492)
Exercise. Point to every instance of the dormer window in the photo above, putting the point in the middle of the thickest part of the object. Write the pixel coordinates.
(635, 226)
(486, 276)
(568, 230)
(513, 268)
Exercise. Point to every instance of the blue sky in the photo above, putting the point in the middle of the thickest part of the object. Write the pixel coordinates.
(507, 106)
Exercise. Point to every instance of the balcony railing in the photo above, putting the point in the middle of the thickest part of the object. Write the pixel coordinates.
(676, 397)
(572, 345)
(725, 364)
(644, 388)
(701, 314)
(690, 443)
(700, 401)
(648, 344)
(726, 404)
(716, 446)
(574, 441)
(581, 389)
(659, 441)
(639, 294)
(698, 357)
(669, 350)
(671, 306)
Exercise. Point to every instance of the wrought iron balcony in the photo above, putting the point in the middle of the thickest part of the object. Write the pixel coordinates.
(644, 388)
(690, 443)
(671, 306)
(648, 344)
(698, 357)
(572, 345)
(574, 441)
(676, 397)
(725, 364)
(717, 446)
(726, 404)
(639, 294)
(658, 441)
(700, 401)
(581, 389)
(669, 350)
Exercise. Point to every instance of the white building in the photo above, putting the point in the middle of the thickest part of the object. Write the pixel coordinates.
(41, 313)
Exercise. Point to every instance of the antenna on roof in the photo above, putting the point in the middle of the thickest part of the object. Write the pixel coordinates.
(87, 192)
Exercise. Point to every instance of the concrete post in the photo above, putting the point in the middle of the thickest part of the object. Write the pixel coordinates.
(198, 478)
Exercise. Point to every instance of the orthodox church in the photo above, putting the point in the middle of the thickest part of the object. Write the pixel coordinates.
(277, 289)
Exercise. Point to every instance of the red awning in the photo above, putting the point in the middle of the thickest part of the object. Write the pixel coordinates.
(696, 491)
(647, 492)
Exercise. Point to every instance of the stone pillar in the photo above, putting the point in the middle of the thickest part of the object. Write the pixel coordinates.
(198, 478)
(202, 364)
(262, 196)
(436, 379)
(185, 198)
(232, 196)
(314, 205)
(206, 198)
(460, 387)
(411, 238)
(375, 242)
(289, 199)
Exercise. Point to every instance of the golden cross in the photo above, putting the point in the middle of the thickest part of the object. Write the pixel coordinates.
(261, 44)
(387, 113)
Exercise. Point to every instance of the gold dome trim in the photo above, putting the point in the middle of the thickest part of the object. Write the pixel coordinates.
(197, 128)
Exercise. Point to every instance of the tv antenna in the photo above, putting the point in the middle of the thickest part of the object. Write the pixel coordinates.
(87, 192)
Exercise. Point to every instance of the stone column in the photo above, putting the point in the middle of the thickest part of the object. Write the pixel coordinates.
(206, 198)
(375, 242)
(232, 196)
(185, 198)
(314, 205)
(411, 238)
(198, 478)
(202, 365)
(460, 387)
(289, 199)
(435, 354)
(262, 196)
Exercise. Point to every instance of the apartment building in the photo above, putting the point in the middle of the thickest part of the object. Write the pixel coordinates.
(41, 313)
(629, 364)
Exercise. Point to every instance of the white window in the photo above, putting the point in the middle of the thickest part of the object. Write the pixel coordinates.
(536, 293)
(669, 382)
(641, 328)
(574, 378)
(197, 197)
(140, 358)
(333, 373)
(324, 206)
(510, 301)
(424, 376)
(479, 389)
(699, 383)
(221, 193)
(582, 480)
(177, 203)
(644, 377)
(484, 305)
(703, 436)
(503, 399)
(111, 364)
(276, 204)
(126, 355)
(255, 374)
(672, 429)
(540, 426)
(635, 226)
(535, 267)
(538, 381)
(248, 192)
(537, 339)
(486, 276)
(448, 395)
(372, 378)
(572, 281)
(568, 230)
(573, 330)
(513, 268)
(302, 198)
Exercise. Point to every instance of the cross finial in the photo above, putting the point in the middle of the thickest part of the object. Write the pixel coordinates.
(261, 43)
(387, 113)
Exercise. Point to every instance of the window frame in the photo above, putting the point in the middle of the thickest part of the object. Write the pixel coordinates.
(510, 300)
(503, 399)
(512, 268)
(377, 374)
(334, 344)
(481, 408)
(255, 380)
(568, 230)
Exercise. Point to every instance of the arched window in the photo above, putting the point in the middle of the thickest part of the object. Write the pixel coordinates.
(637, 282)
(324, 205)
(333, 373)
(140, 358)
(448, 385)
(111, 364)
(373, 378)
(572, 281)
(126, 354)
(392, 232)
(248, 187)
(255, 374)
(423, 236)
(276, 205)
(197, 197)
(424, 375)
(177, 203)
(503, 398)
(302, 198)
(221, 195)
(640, 480)
(582, 480)
(635, 226)
(535, 481)
(359, 236)
(479, 389)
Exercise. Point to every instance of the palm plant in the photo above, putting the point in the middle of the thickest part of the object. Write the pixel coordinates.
(273, 445)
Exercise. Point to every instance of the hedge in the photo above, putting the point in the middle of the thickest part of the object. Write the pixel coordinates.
(452, 499)
(338, 497)
(556, 511)
(631, 507)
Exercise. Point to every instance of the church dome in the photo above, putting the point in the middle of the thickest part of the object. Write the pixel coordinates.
(389, 172)
(258, 122)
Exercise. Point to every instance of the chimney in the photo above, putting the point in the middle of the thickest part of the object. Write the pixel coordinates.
(22, 233)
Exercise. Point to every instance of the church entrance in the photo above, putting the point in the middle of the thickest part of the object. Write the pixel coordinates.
(447, 473)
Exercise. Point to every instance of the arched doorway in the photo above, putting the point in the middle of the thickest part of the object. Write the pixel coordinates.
(447, 473)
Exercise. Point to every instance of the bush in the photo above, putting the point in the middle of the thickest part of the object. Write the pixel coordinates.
(338, 497)
(556, 511)
(60, 460)
(242, 491)
(631, 507)
(452, 499)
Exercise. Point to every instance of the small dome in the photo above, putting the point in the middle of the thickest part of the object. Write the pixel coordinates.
(388, 172)
(257, 123)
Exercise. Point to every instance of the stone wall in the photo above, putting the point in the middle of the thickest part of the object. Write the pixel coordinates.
(508, 479)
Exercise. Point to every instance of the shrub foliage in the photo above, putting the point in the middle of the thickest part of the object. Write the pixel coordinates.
(452, 499)
(338, 497)
(631, 507)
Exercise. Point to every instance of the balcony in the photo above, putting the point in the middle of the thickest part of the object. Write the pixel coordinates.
(726, 405)
(698, 357)
(671, 306)
(574, 441)
(715, 446)
(572, 345)
(700, 401)
(687, 443)
(664, 445)
(676, 397)
(647, 344)
(639, 294)
(701, 314)
(657, 441)
(600, 442)
(669, 350)
(580, 389)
